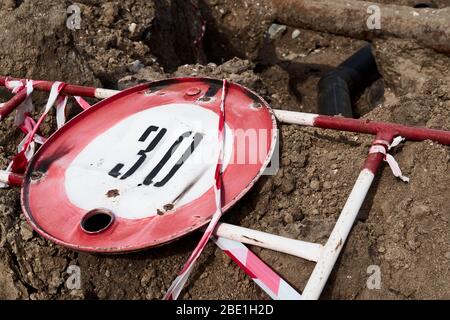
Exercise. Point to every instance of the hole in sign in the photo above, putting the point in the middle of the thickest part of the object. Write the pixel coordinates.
(96, 221)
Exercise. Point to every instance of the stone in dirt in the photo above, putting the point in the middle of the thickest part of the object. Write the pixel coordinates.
(276, 31)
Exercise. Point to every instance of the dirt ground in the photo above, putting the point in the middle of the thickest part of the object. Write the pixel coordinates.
(404, 228)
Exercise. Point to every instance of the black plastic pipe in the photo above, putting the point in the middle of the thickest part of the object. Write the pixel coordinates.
(337, 88)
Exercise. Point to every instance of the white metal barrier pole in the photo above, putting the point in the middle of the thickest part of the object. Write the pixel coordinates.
(334, 245)
(336, 241)
(302, 249)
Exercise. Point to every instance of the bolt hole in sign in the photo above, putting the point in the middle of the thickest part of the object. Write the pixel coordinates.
(137, 170)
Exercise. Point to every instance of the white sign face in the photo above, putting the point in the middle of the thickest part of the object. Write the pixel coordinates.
(149, 163)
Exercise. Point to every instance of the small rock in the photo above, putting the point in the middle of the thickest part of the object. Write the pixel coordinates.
(275, 96)
(276, 30)
(396, 237)
(295, 34)
(315, 185)
(420, 210)
(327, 185)
(302, 160)
(311, 169)
(77, 294)
(148, 275)
(109, 41)
(9, 4)
(236, 66)
(110, 13)
(381, 250)
(268, 186)
(112, 60)
(287, 186)
(26, 231)
(282, 204)
(54, 280)
(287, 218)
(292, 230)
(286, 162)
(447, 255)
(135, 66)
(413, 245)
(102, 293)
(291, 56)
(132, 28)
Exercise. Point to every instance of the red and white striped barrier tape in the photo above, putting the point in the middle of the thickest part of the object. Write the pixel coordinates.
(174, 290)
(26, 107)
(382, 146)
(26, 123)
(53, 97)
(27, 126)
(22, 120)
(61, 103)
(14, 85)
(82, 103)
(267, 279)
(27, 147)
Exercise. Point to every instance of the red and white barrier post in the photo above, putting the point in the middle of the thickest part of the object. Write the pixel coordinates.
(267, 279)
(10, 179)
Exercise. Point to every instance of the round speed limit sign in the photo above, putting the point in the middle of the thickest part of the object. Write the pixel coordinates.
(137, 170)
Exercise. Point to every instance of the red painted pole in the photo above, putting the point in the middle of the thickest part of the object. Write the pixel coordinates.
(11, 179)
(12, 104)
(362, 126)
(374, 160)
(374, 127)
(15, 180)
(69, 90)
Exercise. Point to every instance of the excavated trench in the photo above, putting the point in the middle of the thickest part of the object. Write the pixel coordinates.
(403, 227)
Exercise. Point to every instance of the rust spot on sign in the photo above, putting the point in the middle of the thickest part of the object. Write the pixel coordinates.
(168, 207)
(113, 193)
